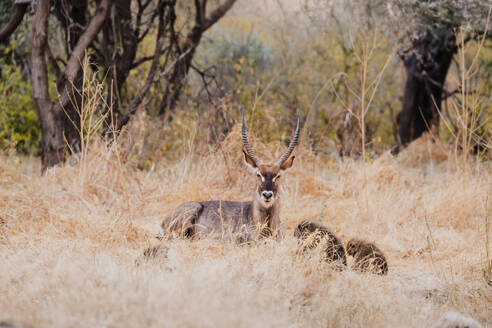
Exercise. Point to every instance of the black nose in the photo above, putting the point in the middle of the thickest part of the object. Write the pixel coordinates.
(267, 194)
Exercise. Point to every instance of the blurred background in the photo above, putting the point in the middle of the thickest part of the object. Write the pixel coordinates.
(169, 77)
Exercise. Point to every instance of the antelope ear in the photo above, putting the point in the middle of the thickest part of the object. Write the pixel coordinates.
(250, 162)
(287, 164)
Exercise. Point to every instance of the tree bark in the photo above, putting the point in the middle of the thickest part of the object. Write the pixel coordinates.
(14, 21)
(427, 65)
(49, 116)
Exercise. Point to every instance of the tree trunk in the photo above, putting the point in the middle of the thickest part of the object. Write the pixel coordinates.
(53, 121)
(49, 118)
(427, 65)
(52, 143)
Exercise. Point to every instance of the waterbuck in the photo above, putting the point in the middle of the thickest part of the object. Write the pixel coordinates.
(241, 221)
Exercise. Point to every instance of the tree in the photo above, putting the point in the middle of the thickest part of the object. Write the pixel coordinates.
(111, 34)
(428, 59)
(50, 114)
(427, 65)
(427, 29)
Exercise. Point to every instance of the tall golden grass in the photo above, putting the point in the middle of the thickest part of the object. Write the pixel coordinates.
(69, 240)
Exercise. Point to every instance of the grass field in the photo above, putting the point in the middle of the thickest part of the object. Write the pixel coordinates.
(69, 241)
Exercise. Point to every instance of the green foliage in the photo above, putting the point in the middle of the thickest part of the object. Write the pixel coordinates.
(242, 59)
(19, 127)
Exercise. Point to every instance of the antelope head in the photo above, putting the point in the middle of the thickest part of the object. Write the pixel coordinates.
(268, 174)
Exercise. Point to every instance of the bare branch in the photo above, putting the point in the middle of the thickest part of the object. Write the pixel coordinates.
(152, 71)
(140, 61)
(200, 8)
(49, 116)
(38, 42)
(14, 21)
(139, 23)
(74, 62)
(217, 14)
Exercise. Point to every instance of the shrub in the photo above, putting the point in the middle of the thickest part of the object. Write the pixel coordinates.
(19, 127)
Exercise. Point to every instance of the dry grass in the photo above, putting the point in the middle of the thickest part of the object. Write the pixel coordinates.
(69, 240)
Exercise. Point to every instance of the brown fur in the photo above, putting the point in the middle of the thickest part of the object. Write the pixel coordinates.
(224, 219)
(367, 257)
(237, 220)
(311, 234)
(153, 254)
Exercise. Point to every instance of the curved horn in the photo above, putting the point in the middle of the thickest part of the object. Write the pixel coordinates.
(293, 142)
(247, 147)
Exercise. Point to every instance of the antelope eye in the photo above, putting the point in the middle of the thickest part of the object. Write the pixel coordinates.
(258, 174)
(277, 177)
